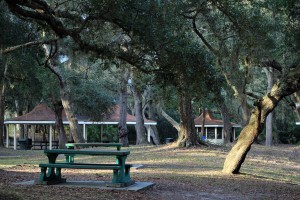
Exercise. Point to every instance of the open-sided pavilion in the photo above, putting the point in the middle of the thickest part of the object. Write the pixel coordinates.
(213, 128)
(43, 115)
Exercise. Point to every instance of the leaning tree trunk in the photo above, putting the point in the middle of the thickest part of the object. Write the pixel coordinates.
(122, 127)
(138, 111)
(297, 99)
(287, 85)
(187, 133)
(62, 138)
(73, 122)
(65, 97)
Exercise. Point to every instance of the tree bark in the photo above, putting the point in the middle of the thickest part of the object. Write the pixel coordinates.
(297, 99)
(187, 134)
(203, 122)
(58, 108)
(122, 127)
(170, 120)
(269, 122)
(2, 103)
(227, 129)
(138, 111)
(65, 98)
(151, 113)
(287, 85)
(73, 122)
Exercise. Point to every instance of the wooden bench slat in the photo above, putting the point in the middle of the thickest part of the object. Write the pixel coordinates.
(95, 144)
(89, 152)
(81, 166)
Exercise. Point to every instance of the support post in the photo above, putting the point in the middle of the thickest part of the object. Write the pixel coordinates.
(148, 133)
(234, 134)
(7, 136)
(33, 135)
(50, 138)
(15, 137)
(101, 133)
(216, 135)
(84, 133)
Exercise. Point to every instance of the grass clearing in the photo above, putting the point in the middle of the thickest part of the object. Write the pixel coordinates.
(268, 173)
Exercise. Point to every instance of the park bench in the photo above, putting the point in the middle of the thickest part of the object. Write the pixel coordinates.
(45, 144)
(70, 158)
(51, 171)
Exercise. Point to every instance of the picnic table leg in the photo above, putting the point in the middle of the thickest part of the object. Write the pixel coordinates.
(53, 175)
(120, 160)
(123, 175)
(69, 158)
(51, 171)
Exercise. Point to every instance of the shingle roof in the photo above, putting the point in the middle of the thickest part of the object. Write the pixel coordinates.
(43, 114)
(210, 120)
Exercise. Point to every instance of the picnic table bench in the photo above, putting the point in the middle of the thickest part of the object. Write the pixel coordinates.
(51, 171)
(70, 158)
(94, 144)
(45, 144)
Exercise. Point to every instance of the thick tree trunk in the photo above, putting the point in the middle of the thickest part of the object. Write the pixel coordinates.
(62, 138)
(269, 122)
(203, 122)
(138, 110)
(2, 111)
(122, 127)
(73, 122)
(151, 114)
(287, 85)
(227, 129)
(297, 100)
(2, 103)
(187, 133)
(65, 98)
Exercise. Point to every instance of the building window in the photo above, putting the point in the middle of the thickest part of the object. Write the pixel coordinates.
(210, 133)
(219, 133)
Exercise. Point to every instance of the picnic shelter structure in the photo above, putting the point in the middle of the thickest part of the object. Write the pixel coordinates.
(43, 115)
(213, 128)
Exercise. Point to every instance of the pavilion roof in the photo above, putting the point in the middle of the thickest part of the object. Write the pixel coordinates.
(42, 114)
(210, 121)
(130, 119)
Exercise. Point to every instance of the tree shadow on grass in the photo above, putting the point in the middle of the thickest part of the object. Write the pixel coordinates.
(269, 178)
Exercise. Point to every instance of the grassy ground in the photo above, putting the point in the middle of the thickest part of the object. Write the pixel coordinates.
(193, 173)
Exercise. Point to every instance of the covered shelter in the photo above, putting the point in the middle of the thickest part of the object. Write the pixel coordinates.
(213, 128)
(43, 115)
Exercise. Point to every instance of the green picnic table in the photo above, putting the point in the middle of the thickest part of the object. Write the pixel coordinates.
(51, 171)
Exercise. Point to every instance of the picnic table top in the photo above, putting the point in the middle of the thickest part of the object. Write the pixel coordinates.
(88, 152)
(95, 144)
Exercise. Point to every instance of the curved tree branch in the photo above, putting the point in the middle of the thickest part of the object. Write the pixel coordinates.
(209, 46)
(25, 45)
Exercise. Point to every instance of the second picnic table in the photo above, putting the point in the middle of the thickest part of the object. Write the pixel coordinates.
(70, 158)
